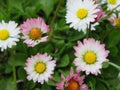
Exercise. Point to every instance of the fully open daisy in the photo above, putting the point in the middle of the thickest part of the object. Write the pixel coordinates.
(72, 82)
(90, 55)
(40, 67)
(9, 34)
(80, 13)
(34, 31)
(112, 4)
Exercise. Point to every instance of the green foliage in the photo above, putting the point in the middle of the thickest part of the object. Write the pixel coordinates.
(60, 46)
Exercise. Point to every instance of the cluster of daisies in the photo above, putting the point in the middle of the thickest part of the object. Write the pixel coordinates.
(90, 53)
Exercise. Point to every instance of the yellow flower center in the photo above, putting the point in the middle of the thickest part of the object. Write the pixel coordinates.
(73, 85)
(4, 34)
(82, 13)
(117, 21)
(113, 2)
(40, 67)
(35, 33)
(90, 57)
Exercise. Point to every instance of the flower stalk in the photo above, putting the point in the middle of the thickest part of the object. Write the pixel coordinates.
(12, 52)
(114, 65)
(14, 76)
(53, 19)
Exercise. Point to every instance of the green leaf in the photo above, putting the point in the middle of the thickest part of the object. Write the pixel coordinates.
(117, 87)
(8, 69)
(37, 89)
(113, 51)
(114, 38)
(45, 87)
(78, 36)
(65, 72)
(55, 78)
(105, 65)
(58, 43)
(21, 74)
(64, 61)
(49, 48)
(30, 85)
(47, 6)
(91, 81)
(7, 84)
(18, 59)
(100, 86)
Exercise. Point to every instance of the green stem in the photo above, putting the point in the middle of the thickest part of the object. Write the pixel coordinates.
(88, 31)
(109, 13)
(53, 19)
(14, 76)
(12, 52)
(107, 34)
(105, 83)
(114, 65)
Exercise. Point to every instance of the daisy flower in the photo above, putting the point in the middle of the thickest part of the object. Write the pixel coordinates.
(40, 67)
(90, 55)
(34, 31)
(9, 34)
(80, 13)
(112, 4)
(72, 82)
(115, 20)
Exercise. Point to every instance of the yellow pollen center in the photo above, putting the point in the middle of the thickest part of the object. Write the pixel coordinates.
(40, 67)
(73, 85)
(117, 21)
(35, 33)
(113, 2)
(90, 57)
(82, 13)
(4, 34)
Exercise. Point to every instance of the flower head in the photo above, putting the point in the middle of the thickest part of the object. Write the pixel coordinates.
(34, 30)
(40, 67)
(80, 13)
(9, 34)
(72, 82)
(100, 15)
(115, 20)
(90, 55)
(112, 4)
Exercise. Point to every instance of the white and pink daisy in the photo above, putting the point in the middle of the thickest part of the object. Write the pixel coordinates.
(40, 67)
(90, 55)
(80, 13)
(9, 34)
(34, 31)
(111, 4)
(115, 20)
(72, 82)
